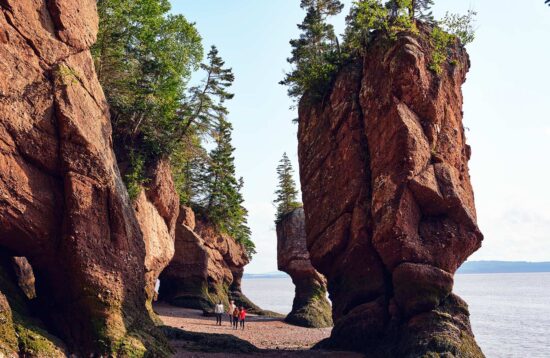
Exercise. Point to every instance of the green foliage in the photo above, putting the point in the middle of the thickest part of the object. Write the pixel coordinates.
(135, 177)
(315, 55)
(441, 41)
(364, 18)
(144, 58)
(287, 194)
(188, 163)
(421, 10)
(205, 107)
(223, 201)
(461, 26)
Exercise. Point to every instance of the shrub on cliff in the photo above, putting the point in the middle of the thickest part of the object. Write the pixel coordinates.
(317, 55)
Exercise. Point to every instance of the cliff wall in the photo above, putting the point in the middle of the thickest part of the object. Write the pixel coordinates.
(207, 267)
(390, 212)
(63, 204)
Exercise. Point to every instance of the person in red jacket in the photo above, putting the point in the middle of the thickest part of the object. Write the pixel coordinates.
(242, 317)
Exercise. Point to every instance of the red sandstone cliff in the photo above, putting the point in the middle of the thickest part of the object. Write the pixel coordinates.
(207, 267)
(63, 204)
(390, 212)
(157, 209)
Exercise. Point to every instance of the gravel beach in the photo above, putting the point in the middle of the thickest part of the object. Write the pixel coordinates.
(272, 336)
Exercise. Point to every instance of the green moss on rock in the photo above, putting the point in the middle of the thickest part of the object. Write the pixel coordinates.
(316, 312)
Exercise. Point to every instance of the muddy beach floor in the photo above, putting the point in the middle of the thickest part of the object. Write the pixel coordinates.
(193, 335)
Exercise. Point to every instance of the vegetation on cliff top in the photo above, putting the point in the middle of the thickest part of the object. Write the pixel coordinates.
(144, 58)
(287, 194)
(318, 54)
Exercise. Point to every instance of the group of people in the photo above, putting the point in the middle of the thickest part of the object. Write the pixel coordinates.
(237, 315)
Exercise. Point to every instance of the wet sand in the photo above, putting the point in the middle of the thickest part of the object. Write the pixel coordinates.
(272, 336)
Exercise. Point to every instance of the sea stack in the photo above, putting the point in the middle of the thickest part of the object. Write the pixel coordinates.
(63, 204)
(311, 307)
(390, 212)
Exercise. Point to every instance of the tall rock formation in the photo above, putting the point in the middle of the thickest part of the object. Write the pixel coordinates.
(157, 210)
(63, 204)
(206, 268)
(311, 307)
(390, 212)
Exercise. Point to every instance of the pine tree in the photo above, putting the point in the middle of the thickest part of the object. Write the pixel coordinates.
(315, 54)
(205, 108)
(421, 9)
(223, 202)
(201, 113)
(287, 194)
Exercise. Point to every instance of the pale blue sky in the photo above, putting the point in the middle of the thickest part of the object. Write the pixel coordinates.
(507, 110)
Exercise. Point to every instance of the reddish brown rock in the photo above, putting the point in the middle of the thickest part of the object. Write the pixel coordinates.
(390, 212)
(25, 276)
(311, 307)
(205, 268)
(63, 204)
(157, 209)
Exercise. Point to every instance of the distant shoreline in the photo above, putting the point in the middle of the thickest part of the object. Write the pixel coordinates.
(471, 267)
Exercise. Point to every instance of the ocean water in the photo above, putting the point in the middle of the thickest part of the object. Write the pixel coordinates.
(510, 313)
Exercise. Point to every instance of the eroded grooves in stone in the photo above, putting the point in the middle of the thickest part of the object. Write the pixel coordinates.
(390, 212)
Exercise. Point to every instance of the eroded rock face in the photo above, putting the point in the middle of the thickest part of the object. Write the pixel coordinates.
(63, 204)
(390, 212)
(310, 307)
(157, 209)
(204, 266)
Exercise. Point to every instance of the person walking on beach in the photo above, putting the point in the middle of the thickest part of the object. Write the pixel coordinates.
(218, 310)
(242, 317)
(236, 314)
(230, 311)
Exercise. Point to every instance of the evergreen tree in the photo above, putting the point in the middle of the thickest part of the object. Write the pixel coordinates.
(223, 201)
(421, 9)
(144, 58)
(204, 107)
(287, 194)
(315, 54)
(189, 163)
(365, 17)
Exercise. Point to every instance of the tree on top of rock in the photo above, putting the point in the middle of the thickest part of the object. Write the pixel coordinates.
(223, 201)
(421, 9)
(287, 194)
(315, 54)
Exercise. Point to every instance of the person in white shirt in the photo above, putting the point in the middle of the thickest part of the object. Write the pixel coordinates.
(230, 311)
(218, 310)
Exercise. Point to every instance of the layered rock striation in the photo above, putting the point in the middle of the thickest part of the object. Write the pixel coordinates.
(310, 307)
(207, 266)
(63, 205)
(389, 206)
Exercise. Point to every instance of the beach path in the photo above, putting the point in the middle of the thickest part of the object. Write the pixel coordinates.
(272, 336)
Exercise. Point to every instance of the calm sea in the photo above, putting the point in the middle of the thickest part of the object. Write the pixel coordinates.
(510, 313)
